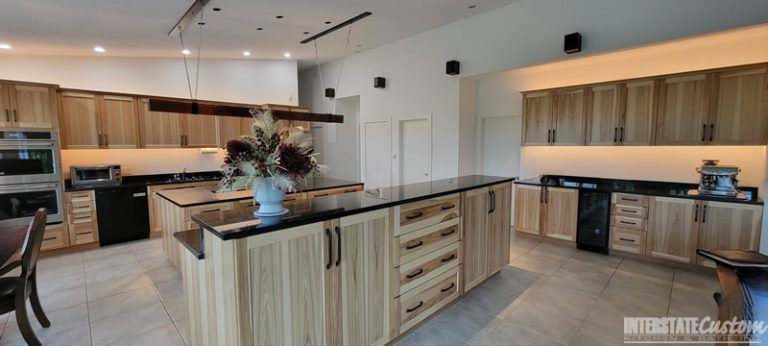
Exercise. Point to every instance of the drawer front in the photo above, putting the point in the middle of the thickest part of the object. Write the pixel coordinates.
(293, 197)
(80, 196)
(417, 215)
(628, 240)
(630, 199)
(55, 238)
(419, 271)
(628, 222)
(81, 207)
(420, 303)
(208, 208)
(83, 233)
(419, 243)
(78, 218)
(631, 211)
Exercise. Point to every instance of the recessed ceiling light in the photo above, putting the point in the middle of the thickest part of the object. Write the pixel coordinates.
(328, 22)
(259, 29)
(279, 17)
(99, 49)
(306, 33)
(5, 46)
(246, 53)
(359, 45)
(472, 6)
(287, 55)
(185, 51)
(216, 9)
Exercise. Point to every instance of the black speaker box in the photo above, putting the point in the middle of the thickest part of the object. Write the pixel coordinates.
(379, 82)
(572, 43)
(330, 92)
(452, 67)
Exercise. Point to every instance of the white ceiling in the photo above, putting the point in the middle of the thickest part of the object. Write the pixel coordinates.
(138, 28)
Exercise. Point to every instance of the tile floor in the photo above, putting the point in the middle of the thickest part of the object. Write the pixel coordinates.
(549, 295)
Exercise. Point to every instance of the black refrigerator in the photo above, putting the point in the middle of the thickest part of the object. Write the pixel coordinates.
(593, 228)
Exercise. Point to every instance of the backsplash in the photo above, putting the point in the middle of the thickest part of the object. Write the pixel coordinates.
(144, 161)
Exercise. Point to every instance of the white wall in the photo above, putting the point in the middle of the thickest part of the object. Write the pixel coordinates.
(245, 81)
(337, 145)
(521, 34)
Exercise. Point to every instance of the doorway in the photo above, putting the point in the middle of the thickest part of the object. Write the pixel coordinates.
(413, 150)
(376, 154)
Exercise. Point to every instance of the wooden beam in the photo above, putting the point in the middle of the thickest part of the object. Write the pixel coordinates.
(189, 107)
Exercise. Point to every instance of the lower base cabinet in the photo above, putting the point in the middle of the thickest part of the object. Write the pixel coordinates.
(487, 219)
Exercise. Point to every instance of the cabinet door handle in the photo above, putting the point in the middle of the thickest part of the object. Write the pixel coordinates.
(409, 310)
(711, 132)
(549, 136)
(546, 195)
(447, 206)
(330, 249)
(704, 214)
(448, 288)
(449, 258)
(7, 116)
(106, 140)
(414, 215)
(704, 132)
(411, 247)
(16, 116)
(554, 136)
(490, 202)
(621, 134)
(696, 214)
(415, 274)
(445, 234)
(625, 239)
(615, 134)
(338, 243)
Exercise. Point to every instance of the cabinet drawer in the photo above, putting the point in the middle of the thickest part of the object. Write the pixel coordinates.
(80, 196)
(83, 233)
(81, 207)
(419, 243)
(55, 238)
(630, 199)
(419, 271)
(85, 217)
(424, 301)
(293, 197)
(628, 222)
(208, 208)
(631, 211)
(628, 240)
(417, 215)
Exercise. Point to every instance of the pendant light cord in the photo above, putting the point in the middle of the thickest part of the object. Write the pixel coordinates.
(186, 68)
(193, 96)
(331, 104)
(320, 75)
(343, 59)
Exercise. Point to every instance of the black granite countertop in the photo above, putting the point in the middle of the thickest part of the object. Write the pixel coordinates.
(152, 179)
(641, 187)
(233, 224)
(192, 240)
(201, 196)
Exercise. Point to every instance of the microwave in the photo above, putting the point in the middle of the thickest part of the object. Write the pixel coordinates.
(98, 175)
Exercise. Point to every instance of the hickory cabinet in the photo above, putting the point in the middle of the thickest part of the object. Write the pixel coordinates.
(683, 111)
(554, 117)
(740, 109)
(232, 128)
(622, 113)
(91, 121)
(28, 105)
(547, 211)
(177, 130)
(487, 230)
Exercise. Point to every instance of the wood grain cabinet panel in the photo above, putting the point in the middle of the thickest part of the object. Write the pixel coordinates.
(639, 104)
(683, 117)
(673, 228)
(528, 202)
(562, 213)
(80, 123)
(604, 114)
(34, 106)
(6, 105)
(537, 118)
(160, 129)
(475, 203)
(499, 227)
(729, 226)
(119, 122)
(741, 114)
(569, 117)
(200, 131)
(232, 128)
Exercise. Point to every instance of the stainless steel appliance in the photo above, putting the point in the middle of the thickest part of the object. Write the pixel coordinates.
(29, 156)
(19, 202)
(718, 180)
(97, 175)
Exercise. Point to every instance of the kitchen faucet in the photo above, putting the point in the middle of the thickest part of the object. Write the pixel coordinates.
(184, 174)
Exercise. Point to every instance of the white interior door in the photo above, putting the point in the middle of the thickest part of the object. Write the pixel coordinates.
(337, 144)
(377, 154)
(501, 146)
(414, 150)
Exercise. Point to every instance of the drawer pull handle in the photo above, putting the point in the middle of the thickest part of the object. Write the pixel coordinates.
(625, 239)
(350, 190)
(449, 258)
(415, 307)
(445, 234)
(414, 215)
(629, 211)
(83, 233)
(629, 199)
(448, 288)
(411, 247)
(49, 238)
(83, 217)
(448, 206)
(628, 222)
(321, 194)
(415, 274)
(209, 211)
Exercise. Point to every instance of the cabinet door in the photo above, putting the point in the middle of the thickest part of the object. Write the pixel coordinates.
(229, 128)
(79, 121)
(537, 118)
(160, 129)
(34, 106)
(475, 204)
(570, 117)
(639, 112)
(741, 115)
(729, 226)
(528, 201)
(673, 227)
(119, 122)
(364, 261)
(604, 115)
(288, 286)
(499, 223)
(683, 111)
(562, 213)
(200, 131)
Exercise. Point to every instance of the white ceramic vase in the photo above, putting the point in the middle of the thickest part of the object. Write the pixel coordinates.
(269, 197)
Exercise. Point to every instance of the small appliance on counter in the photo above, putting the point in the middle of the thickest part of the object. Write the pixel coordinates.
(97, 175)
(718, 181)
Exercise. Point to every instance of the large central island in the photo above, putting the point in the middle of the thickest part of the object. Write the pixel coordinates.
(359, 268)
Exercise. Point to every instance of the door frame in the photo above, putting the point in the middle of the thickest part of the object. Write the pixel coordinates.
(363, 149)
(397, 157)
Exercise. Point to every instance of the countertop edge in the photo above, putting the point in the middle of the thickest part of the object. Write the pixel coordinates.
(184, 238)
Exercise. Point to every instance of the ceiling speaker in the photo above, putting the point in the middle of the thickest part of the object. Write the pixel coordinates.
(330, 92)
(573, 43)
(452, 67)
(379, 82)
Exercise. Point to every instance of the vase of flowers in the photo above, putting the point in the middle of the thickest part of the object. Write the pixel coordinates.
(272, 162)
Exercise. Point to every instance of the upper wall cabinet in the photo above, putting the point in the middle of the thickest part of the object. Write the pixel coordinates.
(604, 114)
(160, 129)
(232, 128)
(119, 122)
(91, 121)
(537, 118)
(569, 117)
(79, 121)
(28, 105)
(741, 111)
(683, 111)
(621, 113)
(200, 131)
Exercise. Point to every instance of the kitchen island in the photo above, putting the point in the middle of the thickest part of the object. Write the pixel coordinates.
(359, 268)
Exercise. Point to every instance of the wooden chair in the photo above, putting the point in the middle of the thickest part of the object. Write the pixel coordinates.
(14, 291)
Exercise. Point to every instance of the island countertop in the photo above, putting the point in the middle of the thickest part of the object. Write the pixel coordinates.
(201, 196)
(234, 224)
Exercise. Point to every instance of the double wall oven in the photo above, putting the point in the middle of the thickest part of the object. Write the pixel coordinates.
(29, 176)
